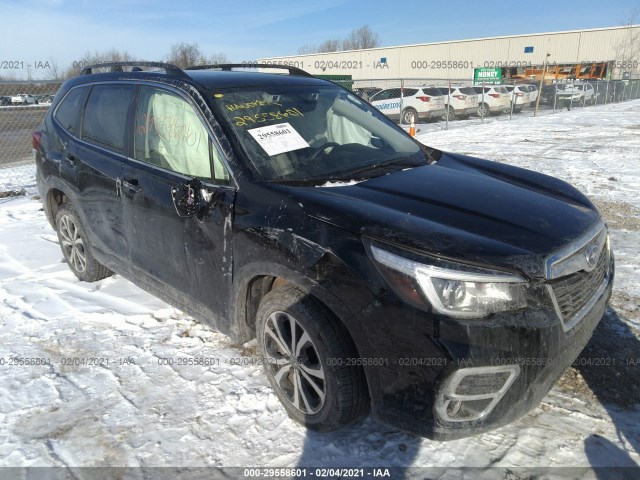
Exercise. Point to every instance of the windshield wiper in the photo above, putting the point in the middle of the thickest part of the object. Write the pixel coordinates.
(351, 174)
(399, 162)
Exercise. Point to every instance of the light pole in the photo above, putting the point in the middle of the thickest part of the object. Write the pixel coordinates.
(544, 69)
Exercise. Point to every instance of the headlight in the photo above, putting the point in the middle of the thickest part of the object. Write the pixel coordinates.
(452, 289)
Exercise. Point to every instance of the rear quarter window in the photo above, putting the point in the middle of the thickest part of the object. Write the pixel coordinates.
(105, 116)
(434, 91)
(69, 113)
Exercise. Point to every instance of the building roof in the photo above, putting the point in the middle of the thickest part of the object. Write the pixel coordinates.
(621, 27)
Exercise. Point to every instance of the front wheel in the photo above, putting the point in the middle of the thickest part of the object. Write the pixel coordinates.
(75, 246)
(310, 361)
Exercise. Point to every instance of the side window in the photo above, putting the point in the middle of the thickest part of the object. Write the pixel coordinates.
(381, 95)
(410, 92)
(69, 112)
(105, 116)
(394, 93)
(169, 134)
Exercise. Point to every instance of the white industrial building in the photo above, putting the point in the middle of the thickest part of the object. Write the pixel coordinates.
(618, 47)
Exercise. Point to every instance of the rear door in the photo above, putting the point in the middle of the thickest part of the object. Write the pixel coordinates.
(189, 255)
(92, 156)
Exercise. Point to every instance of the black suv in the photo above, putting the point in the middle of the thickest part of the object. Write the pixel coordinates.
(444, 292)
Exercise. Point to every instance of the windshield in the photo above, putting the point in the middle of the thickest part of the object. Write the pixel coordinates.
(296, 133)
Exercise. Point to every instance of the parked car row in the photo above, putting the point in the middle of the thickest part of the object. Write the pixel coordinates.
(428, 102)
(582, 93)
(435, 102)
(410, 103)
(460, 101)
(26, 99)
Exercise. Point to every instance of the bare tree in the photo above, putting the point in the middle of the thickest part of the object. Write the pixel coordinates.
(9, 77)
(358, 39)
(184, 54)
(330, 46)
(307, 49)
(55, 72)
(217, 59)
(627, 49)
(361, 38)
(89, 58)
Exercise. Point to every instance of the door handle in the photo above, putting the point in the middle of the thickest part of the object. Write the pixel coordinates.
(70, 159)
(131, 184)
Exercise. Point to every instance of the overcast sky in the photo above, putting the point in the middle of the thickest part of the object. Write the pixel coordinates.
(35, 31)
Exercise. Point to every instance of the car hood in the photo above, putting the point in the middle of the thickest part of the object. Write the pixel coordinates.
(462, 208)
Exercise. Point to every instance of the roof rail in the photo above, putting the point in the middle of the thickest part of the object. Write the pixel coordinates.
(228, 66)
(117, 67)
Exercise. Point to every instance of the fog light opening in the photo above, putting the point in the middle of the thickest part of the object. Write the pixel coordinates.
(472, 393)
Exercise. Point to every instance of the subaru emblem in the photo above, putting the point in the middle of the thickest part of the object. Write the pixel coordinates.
(591, 256)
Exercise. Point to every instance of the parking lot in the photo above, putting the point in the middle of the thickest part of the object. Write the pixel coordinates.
(135, 411)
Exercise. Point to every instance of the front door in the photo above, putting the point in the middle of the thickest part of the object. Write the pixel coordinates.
(189, 257)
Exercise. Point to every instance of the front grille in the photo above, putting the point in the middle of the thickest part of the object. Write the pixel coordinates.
(575, 291)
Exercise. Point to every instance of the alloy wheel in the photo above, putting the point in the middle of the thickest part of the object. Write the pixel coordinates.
(294, 362)
(72, 243)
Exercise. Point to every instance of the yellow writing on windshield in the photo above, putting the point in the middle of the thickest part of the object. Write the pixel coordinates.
(249, 120)
(232, 107)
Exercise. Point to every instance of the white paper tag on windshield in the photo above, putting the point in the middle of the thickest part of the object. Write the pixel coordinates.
(278, 138)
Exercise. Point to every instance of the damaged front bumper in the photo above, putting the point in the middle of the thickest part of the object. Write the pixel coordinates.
(446, 379)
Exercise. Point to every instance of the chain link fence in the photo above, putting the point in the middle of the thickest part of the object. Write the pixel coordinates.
(23, 106)
(525, 96)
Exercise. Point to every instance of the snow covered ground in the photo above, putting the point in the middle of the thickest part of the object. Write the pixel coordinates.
(129, 408)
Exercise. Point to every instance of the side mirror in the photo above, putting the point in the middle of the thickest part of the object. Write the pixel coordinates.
(187, 198)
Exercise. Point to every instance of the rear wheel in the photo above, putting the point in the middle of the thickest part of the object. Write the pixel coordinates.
(306, 354)
(75, 246)
(449, 114)
(483, 110)
(408, 115)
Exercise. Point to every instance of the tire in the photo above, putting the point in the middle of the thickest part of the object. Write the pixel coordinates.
(483, 110)
(449, 113)
(331, 394)
(76, 247)
(408, 114)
